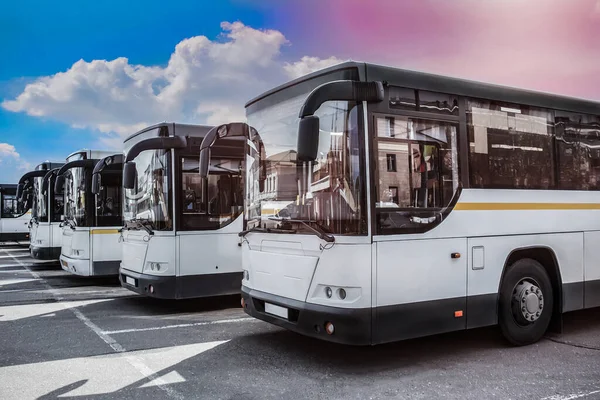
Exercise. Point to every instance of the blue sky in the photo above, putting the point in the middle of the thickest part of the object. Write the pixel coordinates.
(41, 38)
(79, 74)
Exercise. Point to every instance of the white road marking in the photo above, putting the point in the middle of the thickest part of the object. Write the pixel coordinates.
(17, 312)
(571, 396)
(9, 265)
(15, 256)
(158, 328)
(131, 359)
(98, 375)
(170, 378)
(9, 250)
(7, 282)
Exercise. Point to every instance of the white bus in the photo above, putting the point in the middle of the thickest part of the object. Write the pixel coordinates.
(420, 204)
(90, 230)
(45, 235)
(180, 238)
(14, 218)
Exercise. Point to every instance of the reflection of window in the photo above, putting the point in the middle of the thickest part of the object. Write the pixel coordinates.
(391, 162)
(510, 146)
(424, 101)
(425, 176)
(394, 194)
(578, 151)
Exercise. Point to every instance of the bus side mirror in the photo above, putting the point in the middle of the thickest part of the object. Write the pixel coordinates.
(96, 183)
(308, 138)
(129, 174)
(204, 162)
(59, 183)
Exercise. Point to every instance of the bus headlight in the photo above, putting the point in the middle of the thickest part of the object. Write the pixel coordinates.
(328, 292)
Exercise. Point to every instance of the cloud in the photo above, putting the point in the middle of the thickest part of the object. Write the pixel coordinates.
(204, 81)
(9, 157)
(8, 150)
(307, 65)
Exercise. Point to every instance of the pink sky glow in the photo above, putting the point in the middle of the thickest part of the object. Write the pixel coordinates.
(547, 45)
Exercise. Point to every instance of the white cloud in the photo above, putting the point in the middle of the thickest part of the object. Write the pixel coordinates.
(204, 81)
(11, 159)
(8, 150)
(307, 65)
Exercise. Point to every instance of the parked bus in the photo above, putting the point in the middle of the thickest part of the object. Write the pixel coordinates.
(90, 230)
(46, 212)
(180, 234)
(419, 204)
(14, 219)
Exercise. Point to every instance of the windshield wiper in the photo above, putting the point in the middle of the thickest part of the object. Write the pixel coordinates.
(140, 223)
(328, 237)
(265, 230)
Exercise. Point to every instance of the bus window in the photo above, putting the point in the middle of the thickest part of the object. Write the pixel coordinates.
(9, 206)
(418, 172)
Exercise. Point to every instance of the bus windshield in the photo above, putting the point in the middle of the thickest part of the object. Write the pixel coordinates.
(75, 196)
(149, 199)
(39, 207)
(329, 192)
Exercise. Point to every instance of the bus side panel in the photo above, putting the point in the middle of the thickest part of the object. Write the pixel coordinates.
(56, 233)
(105, 244)
(105, 250)
(421, 288)
(488, 255)
(15, 225)
(592, 269)
(210, 264)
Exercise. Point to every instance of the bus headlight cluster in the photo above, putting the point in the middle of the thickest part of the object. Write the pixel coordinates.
(341, 293)
(246, 275)
(155, 266)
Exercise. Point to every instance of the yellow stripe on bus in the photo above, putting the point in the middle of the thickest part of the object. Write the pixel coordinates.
(525, 206)
(104, 231)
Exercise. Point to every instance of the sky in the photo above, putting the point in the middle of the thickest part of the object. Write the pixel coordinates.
(87, 74)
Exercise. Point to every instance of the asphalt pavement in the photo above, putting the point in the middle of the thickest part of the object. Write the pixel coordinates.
(66, 336)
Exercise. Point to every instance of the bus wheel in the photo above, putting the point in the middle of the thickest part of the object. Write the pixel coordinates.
(525, 303)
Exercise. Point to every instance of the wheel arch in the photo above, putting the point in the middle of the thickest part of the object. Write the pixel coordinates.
(546, 256)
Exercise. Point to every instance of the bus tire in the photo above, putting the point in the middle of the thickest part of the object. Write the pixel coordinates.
(525, 302)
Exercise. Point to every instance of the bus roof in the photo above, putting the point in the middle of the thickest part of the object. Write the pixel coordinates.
(177, 129)
(450, 85)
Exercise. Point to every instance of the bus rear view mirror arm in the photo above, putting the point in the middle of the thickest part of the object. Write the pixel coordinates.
(308, 129)
(232, 129)
(100, 166)
(60, 178)
(158, 143)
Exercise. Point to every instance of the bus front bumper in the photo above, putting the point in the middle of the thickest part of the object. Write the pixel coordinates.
(45, 253)
(351, 326)
(160, 287)
(77, 266)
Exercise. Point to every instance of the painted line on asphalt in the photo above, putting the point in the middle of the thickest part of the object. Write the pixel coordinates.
(158, 328)
(571, 396)
(135, 361)
(10, 265)
(15, 256)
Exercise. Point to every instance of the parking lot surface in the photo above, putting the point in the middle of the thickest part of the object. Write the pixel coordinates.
(66, 336)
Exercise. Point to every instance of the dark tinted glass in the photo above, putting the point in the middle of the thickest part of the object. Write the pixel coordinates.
(108, 200)
(577, 151)
(510, 146)
(422, 100)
